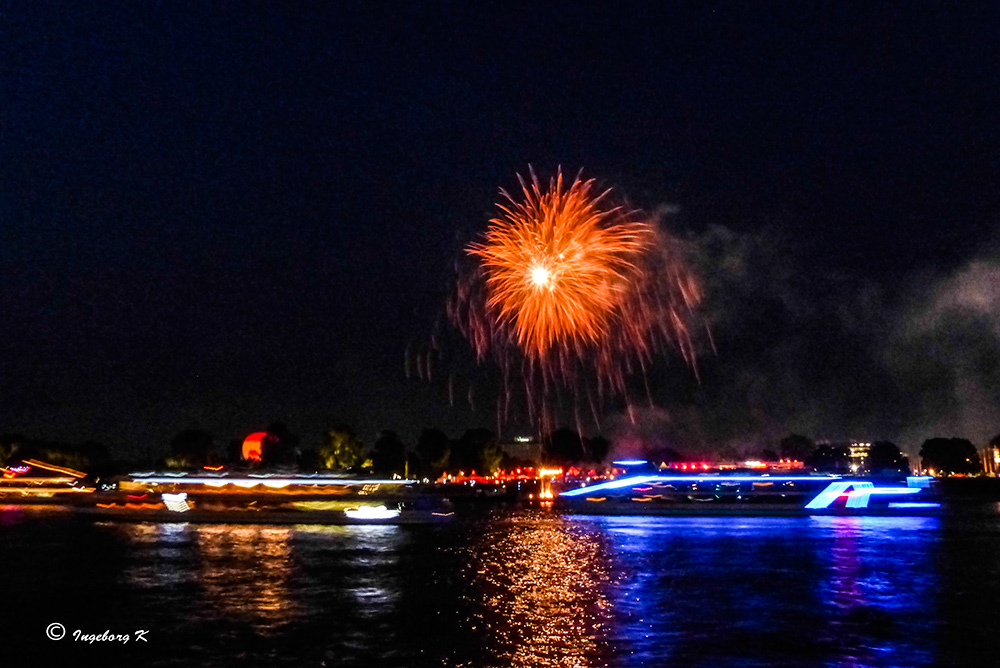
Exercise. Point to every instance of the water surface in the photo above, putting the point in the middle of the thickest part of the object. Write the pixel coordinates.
(508, 589)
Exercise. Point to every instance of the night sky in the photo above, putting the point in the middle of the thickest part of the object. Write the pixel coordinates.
(219, 215)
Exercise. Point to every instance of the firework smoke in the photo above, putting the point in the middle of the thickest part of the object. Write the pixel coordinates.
(566, 288)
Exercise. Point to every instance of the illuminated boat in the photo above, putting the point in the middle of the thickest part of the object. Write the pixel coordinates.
(650, 492)
(32, 481)
(268, 498)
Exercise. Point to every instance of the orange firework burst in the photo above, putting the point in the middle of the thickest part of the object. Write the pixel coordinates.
(557, 264)
(568, 281)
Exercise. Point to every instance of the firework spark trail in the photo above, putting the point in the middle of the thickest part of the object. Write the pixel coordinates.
(575, 287)
(556, 264)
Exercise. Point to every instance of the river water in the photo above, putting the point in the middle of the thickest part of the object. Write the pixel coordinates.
(506, 589)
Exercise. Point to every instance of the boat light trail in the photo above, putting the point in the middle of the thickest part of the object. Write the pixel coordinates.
(371, 513)
(261, 480)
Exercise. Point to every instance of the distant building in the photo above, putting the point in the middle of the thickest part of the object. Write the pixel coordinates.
(858, 454)
(523, 447)
(991, 460)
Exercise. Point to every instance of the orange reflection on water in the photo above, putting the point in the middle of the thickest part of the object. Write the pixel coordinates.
(245, 569)
(542, 584)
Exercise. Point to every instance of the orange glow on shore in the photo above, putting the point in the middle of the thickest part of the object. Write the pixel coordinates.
(253, 446)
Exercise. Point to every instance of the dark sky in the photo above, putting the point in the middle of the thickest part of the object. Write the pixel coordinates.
(217, 215)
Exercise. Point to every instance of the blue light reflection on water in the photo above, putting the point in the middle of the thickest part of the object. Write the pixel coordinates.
(516, 589)
(825, 591)
(881, 589)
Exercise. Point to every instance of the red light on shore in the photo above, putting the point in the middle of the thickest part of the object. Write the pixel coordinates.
(253, 446)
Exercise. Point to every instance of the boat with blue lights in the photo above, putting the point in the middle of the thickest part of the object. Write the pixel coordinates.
(646, 490)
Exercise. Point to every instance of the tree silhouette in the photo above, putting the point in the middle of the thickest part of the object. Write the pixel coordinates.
(828, 459)
(340, 450)
(796, 446)
(191, 448)
(10, 447)
(84, 457)
(280, 446)
(950, 455)
(388, 454)
(434, 450)
(563, 447)
(885, 457)
(477, 450)
(664, 455)
(597, 448)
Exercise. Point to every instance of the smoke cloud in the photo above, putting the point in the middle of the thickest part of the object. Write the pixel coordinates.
(946, 353)
(834, 355)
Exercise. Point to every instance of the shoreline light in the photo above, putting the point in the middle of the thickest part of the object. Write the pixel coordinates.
(371, 513)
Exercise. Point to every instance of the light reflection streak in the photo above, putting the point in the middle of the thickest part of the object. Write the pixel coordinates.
(245, 571)
(541, 582)
(164, 548)
(824, 591)
(359, 576)
(542, 590)
(242, 570)
(376, 550)
(880, 573)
